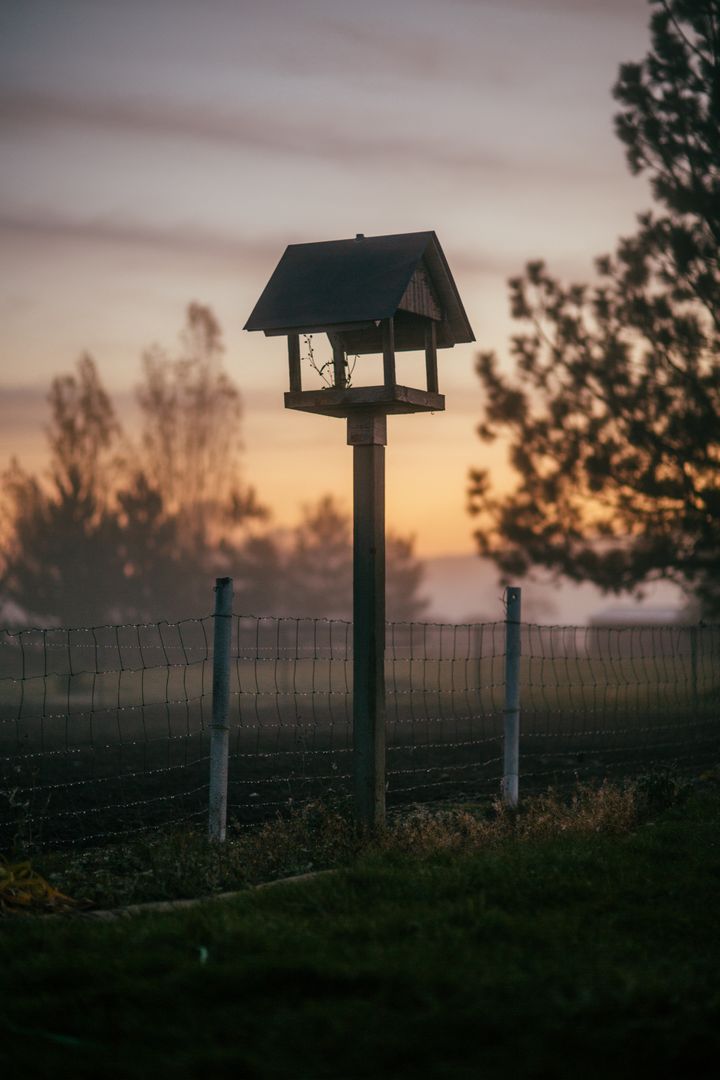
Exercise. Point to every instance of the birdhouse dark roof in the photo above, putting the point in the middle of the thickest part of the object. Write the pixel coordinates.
(351, 284)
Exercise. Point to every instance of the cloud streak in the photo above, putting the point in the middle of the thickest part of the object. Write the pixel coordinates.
(184, 239)
(243, 128)
(48, 227)
(263, 131)
(623, 10)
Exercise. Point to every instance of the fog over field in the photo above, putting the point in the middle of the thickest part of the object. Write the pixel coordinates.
(464, 588)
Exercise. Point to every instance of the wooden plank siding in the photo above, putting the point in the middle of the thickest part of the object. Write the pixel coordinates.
(419, 297)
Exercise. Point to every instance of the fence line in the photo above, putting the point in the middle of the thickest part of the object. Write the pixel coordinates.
(105, 731)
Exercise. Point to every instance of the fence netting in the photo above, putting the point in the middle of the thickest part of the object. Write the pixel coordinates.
(617, 701)
(105, 731)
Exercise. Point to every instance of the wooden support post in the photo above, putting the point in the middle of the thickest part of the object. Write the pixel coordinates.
(388, 344)
(294, 362)
(367, 435)
(431, 357)
(339, 364)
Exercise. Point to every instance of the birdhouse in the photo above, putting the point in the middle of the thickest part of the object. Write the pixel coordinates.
(371, 295)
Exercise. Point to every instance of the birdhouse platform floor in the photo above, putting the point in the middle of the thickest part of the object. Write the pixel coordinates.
(344, 401)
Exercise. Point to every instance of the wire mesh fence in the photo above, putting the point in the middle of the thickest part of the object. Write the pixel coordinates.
(105, 731)
(615, 701)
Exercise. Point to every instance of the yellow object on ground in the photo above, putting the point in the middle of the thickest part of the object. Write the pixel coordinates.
(23, 889)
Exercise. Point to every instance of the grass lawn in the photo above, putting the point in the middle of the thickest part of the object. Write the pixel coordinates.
(571, 954)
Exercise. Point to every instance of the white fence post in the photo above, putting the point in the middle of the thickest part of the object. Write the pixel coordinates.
(511, 712)
(219, 731)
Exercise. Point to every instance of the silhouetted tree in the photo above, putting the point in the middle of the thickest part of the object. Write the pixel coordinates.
(260, 577)
(405, 574)
(191, 438)
(61, 537)
(159, 573)
(187, 504)
(123, 532)
(319, 569)
(614, 413)
(320, 562)
(137, 532)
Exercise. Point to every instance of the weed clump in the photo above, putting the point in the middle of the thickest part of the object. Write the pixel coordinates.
(660, 789)
(424, 829)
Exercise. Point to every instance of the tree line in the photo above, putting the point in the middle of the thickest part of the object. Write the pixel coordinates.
(128, 528)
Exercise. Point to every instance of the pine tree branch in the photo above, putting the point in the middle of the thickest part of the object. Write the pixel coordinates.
(681, 34)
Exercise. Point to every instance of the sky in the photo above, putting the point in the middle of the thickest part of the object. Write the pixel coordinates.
(157, 153)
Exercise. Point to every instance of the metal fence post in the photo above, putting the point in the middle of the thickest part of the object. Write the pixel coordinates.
(219, 731)
(511, 712)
